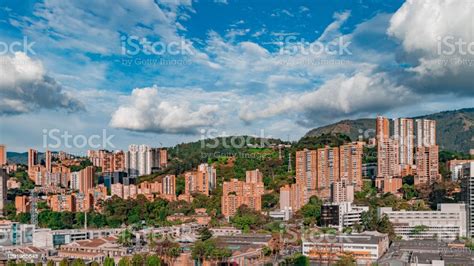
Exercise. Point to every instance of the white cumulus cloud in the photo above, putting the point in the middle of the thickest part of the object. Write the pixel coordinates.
(429, 32)
(146, 110)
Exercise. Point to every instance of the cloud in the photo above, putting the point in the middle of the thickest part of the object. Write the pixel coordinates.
(364, 92)
(427, 31)
(96, 27)
(224, 2)
(146, 110)
(25, 87)
(332, 30)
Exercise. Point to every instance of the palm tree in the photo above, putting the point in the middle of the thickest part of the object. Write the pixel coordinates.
(173, 253)
(125, 238)
(109, 261)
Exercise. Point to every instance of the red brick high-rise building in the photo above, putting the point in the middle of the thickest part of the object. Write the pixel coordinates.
(236, 193)
(427, 165)
(3, 154)
(86, 179)
(382, 128)
(163, 158)
(350, 157)
(32, 162)
(47, 160)
(306, 169)
(318, 169)
(292, 196)
(328, 170)
(387, 150)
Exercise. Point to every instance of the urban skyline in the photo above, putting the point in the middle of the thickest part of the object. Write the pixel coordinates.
(256, 77)
(234, 132)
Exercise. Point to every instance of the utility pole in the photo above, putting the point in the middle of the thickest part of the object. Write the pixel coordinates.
(289, 162)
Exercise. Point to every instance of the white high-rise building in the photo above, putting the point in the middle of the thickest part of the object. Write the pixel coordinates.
(403, 132)
(425, 132)
(141, 159)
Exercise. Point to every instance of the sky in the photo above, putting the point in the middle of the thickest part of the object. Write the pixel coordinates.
(160, 73)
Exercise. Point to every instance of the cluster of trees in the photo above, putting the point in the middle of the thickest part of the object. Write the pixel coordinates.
(371, 222)
(315, 142)
(248, 219)
(209, 250)
(133, 211)
(83, 164)
(311, 212)
(296, 259)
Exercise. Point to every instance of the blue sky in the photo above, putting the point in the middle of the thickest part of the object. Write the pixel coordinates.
(227, 67)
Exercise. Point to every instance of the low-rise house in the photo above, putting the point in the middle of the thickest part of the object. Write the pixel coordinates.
(366, 248)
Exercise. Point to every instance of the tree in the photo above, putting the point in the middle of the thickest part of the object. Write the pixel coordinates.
(94, 263)
(346, 260)
(297, 259)
(247, 219)
(150, 238)
(109, 261)
(312, 210)
(125, 261)
(9, 211)
(385, 226)
(208, 250)
(51, 263)
(270, 200)
(358, 227)
(173, 253)
(369, 219)
(78, 262)
(125, 238)
(266, 251)
(64, 262)
(137, 260)
(418, 229)
(205, 234)
(409, 191)
(152, 260)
